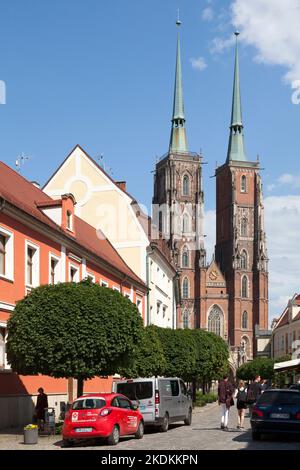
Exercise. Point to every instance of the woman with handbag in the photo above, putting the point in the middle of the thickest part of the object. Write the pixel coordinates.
(225, 399)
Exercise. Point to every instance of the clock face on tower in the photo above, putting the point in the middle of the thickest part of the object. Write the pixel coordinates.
(213, 275)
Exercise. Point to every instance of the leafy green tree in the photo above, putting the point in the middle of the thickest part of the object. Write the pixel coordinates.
(78, 330)
(149, 358)
(262, 366)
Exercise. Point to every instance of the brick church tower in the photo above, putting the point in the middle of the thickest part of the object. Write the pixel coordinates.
(241, 251)
(178, 206)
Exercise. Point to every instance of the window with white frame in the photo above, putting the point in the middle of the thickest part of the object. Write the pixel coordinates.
(2, 348)
(54, 269)
(243, 184)
(139, 305)
(32, 257)
(103, 283)
(116, 288)
(90, 277)
(158, 305)
(69, 220)
(164, 310)
(6, 254)
(73, 273)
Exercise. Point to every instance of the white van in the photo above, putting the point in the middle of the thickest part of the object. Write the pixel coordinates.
(161, 400)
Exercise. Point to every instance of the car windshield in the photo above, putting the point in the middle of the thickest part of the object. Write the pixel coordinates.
(136, 390)
(282, 398)
(88, 404)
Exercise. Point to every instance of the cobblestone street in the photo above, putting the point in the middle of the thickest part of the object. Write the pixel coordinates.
(203, 434)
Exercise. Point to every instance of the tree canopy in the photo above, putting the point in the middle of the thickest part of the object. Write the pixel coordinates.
(262, 366)
(78, 330)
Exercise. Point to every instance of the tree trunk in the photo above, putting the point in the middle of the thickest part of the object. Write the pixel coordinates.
(80, 383)
(194, 390)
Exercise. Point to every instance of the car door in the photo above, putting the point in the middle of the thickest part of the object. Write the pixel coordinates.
(176, 400)
(129, 416)
(185, 401)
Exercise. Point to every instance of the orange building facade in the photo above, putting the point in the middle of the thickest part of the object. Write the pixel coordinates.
(42, 241)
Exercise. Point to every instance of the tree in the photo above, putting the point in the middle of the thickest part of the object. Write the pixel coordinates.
(149, 358)
(78, 330)
(180, 352)
(262, 366)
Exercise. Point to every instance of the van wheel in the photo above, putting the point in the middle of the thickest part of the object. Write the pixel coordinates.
(114, 437)
(165, 425)
(188, 419)
(140, 431)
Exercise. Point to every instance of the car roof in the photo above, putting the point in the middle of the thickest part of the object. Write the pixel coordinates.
(105, 395)
(280, 390)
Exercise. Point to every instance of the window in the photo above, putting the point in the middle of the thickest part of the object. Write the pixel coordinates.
(243, 184)
(216, 321)
(2, 254)
(103, 283)
(54, 274)
(139, 305)
(245, 321)
(89, 404)
(185, 320)
(244, 227)
(90, 277)
(174, 388)
(69, 220)
(186, 186)
(116, 288)
(158, 304)
(244, 260)
(186, 223)
(2, 348)
(185, 258)
(32, 265)
(74, 274)
(6, 254)
(245, 287)
(185, 288)
(123, 403)
(164, 311)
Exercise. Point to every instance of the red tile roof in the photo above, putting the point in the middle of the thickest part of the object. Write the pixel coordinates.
(27, 197)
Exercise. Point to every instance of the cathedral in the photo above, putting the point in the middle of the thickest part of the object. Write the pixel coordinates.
(229, 294)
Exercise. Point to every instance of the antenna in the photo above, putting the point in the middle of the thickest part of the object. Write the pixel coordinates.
(21, 160)
(103, 165)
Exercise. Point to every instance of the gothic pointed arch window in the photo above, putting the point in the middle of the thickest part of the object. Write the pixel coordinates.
(216, 321)
(186, 186)
(244, 260)
(243, 184)
(185, 257)
(185, 319)
(244, 227)
(185, 288)
(185, 223)
(245, 321)
(246, 348)
(245, 287)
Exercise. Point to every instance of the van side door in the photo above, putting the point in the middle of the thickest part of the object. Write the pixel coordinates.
(185, 400)
(176, 399)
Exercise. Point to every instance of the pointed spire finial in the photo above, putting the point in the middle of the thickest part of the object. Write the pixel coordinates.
(178, 141)
(236, 150)
(178, 22)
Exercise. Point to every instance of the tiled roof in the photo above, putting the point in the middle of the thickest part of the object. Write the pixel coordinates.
(27, 197)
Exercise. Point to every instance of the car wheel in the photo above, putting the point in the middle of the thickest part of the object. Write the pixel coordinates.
(140, 431)
(165, 425)
(256, 436)
(188, 419)
(114, 437)
(67, 443)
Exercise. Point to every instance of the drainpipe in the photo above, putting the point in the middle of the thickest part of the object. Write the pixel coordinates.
(148, 284)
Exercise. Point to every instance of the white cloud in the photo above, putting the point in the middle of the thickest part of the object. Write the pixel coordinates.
(272, 27)
(208, 14)
(199, 63)
(282, 221)
(292, 181)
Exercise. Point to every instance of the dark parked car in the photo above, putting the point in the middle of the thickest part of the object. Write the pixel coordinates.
(295, 387)
(276, 411)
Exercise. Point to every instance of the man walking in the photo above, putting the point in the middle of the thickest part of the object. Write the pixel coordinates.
(253, 392)
(225, 399)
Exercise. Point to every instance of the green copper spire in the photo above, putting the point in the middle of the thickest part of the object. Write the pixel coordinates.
(236, 148)
(178, 141)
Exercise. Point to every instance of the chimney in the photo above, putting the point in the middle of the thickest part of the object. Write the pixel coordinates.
(121, 185)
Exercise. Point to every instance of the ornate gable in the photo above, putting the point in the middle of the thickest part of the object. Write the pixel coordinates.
(214, 277)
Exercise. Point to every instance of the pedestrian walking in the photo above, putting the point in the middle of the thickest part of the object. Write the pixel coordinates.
(264, 385)
(253, 392)
(41, 404)
(241, 403)
(225, 400)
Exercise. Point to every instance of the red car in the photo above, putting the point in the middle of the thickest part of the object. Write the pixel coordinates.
(102, 415)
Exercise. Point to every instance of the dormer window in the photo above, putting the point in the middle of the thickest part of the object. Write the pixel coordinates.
(69, 221)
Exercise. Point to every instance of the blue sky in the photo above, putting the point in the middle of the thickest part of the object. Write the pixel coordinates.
(101, 74)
